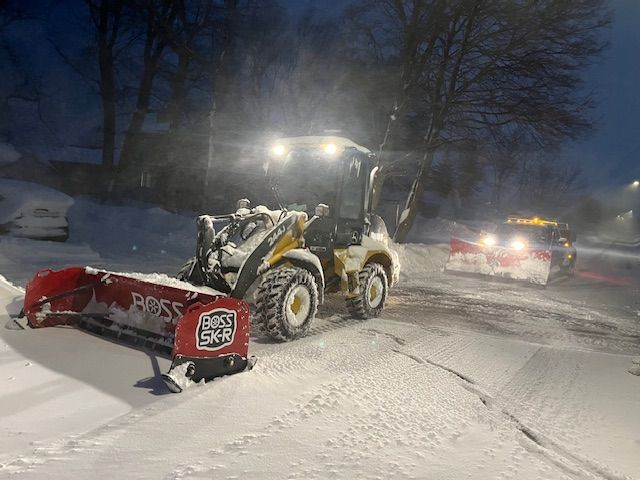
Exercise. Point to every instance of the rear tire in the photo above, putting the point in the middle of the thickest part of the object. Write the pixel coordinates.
(287, 302)
(374, 288)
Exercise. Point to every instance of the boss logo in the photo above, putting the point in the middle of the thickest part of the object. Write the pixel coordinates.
(216, 329)
(158, 307)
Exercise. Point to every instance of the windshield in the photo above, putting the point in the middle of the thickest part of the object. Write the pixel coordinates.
(531, 233)
(304, 180)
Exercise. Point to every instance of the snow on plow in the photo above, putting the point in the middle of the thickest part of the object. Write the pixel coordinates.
(532, 265)
(204, 332)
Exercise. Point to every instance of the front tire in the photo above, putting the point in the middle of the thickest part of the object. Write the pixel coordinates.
(287, 302)
(374, 288)
(570, 270)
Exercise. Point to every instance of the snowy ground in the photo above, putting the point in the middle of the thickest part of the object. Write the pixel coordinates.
(462, 378)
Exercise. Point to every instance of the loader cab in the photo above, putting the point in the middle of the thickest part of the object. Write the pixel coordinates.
(334, 171)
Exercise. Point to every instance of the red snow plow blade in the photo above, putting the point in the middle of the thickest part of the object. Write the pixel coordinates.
(530, 264)
(205, 333)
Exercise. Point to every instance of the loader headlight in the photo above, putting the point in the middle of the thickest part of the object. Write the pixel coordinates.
(488, 240)
(517, 244)
(278, 150)
(330, 149)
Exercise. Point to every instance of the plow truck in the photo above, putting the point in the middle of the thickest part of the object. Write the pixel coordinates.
(528, 249)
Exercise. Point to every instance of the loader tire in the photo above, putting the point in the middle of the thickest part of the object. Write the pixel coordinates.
(374, 288)
(287, 302)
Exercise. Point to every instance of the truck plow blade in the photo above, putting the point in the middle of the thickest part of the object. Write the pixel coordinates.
(529, 264)
(205, 333)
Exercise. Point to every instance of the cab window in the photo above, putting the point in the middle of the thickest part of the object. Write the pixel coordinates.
(353, 187)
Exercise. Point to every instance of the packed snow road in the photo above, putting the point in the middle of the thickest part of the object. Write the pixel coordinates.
(381, 399)
(461, 378)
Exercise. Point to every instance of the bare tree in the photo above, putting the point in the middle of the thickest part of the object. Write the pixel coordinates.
(106, 16)
(490, 63)
(158, 18)
(11, 12)
(194, 20)
(401, 36)
(546, 182)
(505, 154)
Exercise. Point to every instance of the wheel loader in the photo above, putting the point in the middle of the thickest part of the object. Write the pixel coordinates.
(271, 264)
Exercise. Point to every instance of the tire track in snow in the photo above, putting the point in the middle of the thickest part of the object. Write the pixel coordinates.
(355, 416)
(532, 439)
(524, 316)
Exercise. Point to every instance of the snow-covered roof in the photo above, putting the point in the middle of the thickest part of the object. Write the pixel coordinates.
(315, 140)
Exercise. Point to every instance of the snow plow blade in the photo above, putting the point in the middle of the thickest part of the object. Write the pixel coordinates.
(529, 264)
(205, 333)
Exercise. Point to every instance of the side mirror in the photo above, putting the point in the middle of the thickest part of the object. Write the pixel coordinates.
(322, 210)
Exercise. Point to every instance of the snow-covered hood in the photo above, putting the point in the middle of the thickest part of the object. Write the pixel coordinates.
(18, 198)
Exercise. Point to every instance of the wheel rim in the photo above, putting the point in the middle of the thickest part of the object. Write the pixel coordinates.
(298, 305)
(375, 292)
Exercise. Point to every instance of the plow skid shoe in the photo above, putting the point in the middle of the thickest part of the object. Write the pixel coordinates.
(205, 333)
(529, 264)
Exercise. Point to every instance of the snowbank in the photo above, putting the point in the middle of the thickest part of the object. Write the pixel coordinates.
(419, 261)
(119, 238)
(138, 231)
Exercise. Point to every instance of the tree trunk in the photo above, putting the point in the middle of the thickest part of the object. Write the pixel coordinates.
(176, 110)
(410, 211)
(107, 17)
(221, 82)
(137, 119)
(153, 51)
(107, 94)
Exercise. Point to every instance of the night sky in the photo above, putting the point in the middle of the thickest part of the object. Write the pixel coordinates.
(612, 155)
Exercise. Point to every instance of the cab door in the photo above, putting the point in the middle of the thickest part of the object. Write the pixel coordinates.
(557, 249)
(351, 208)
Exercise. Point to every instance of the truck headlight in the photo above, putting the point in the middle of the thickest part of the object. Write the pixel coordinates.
(488, 240)
(517, 244)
